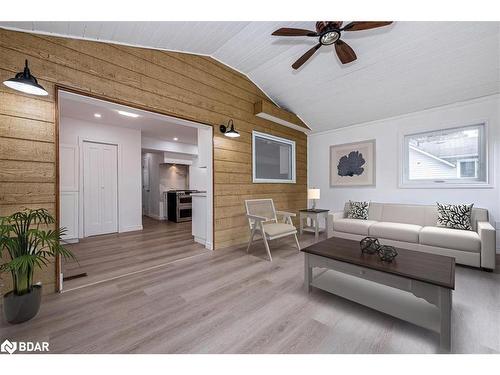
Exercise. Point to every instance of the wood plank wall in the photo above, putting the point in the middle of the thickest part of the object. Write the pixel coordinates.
(193, 87)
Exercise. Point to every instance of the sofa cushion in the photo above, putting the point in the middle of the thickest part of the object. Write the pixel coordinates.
(355, 226)
(395, 231)
(458, 239)
(403, 213)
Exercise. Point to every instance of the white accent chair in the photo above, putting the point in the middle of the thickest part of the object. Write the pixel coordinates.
(263, 219)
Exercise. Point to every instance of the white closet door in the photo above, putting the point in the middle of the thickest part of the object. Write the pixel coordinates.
(100, 188)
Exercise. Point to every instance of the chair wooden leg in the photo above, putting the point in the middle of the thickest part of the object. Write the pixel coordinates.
(297, 242)
(267, 247)
(251, 239)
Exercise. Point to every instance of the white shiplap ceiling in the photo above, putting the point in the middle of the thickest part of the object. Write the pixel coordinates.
(406, 67)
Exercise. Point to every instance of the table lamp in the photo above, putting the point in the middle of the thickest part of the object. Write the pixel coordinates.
(314, 195)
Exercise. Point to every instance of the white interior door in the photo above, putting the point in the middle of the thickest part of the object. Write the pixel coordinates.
(100, 188)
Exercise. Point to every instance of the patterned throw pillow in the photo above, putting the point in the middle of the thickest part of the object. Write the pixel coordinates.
(456, 216)
(358, 210)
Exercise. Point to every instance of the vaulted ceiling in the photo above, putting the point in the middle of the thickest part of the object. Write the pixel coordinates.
(406, 67)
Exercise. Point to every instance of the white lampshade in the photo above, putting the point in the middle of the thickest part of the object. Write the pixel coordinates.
(312, 193)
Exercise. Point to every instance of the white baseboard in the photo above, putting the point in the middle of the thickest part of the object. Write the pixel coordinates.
(204, 242)
(69, 240)
(200, 240)
(131, 228)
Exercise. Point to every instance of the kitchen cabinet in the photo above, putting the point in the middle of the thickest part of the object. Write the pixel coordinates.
(199, 221)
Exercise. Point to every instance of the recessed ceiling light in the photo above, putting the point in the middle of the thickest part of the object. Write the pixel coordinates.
(176, 139)
(98, 115)
(128, 114)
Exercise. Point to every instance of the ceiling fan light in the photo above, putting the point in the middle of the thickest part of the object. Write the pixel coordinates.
(25, 82)
(329, 37)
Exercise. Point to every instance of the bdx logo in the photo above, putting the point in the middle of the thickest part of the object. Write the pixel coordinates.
(24, 346)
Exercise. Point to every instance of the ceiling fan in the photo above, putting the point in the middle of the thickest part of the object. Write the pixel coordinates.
(329, 32)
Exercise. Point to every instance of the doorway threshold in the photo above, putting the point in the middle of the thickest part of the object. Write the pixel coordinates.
(136, 272)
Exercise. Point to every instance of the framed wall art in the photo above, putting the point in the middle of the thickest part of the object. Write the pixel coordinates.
(352, 164)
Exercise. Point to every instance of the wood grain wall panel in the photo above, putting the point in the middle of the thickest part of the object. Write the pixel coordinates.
(192, 87)
(96, 69)
(26, 171)
(26, 107)
(8, 209)
(27, 192)
(22, 128)
(26, 150)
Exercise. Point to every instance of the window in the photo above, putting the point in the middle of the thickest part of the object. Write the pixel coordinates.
(273, 159)
(454, 156)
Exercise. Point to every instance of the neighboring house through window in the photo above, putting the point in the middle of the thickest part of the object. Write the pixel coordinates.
(444, 157)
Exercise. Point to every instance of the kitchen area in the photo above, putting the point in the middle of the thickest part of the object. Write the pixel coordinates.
(176, 187)
(135, 189)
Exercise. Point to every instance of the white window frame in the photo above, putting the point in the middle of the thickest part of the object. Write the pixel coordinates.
(471, 183)
(256, 134)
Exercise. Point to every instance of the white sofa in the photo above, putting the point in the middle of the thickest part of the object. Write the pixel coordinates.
(414, 227)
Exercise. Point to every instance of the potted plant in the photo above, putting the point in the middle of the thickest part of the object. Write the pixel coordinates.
(29, 244)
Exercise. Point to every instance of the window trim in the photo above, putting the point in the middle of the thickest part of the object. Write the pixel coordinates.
(403, 171)
(270, 137)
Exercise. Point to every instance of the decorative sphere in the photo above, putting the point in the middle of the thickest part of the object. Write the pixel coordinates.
(387, 253)
(369, 245)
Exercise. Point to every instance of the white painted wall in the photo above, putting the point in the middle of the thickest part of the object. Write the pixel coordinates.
(153, 197)
(73, 132)
(387, 133)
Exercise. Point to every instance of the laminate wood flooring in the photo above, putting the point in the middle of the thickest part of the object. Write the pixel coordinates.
(229, 301)
(113, 255)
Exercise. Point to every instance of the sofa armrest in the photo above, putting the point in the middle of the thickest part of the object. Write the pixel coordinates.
(487, 235)
(331, 218)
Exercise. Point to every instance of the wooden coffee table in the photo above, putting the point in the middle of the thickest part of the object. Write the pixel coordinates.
(388, 287)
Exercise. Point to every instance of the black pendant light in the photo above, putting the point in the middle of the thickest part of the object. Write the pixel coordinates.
(25, 82)
(229, 132)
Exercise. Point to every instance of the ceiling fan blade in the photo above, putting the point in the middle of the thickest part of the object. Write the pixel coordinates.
(286, 31)
(344, 52)
(297, 64)
(322, 25)
(365, 25)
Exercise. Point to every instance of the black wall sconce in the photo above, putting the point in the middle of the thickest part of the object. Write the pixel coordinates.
(25, 82)
(228, 130)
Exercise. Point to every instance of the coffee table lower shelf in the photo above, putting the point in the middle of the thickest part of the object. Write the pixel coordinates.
(392, 301)
(423, 304)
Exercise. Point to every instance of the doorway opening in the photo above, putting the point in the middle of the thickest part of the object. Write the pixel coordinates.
(135, 189)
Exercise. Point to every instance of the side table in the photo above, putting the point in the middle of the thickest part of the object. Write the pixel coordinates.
(314, 215)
